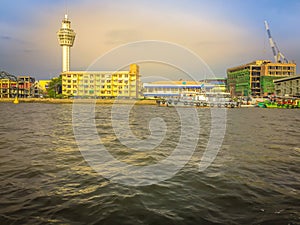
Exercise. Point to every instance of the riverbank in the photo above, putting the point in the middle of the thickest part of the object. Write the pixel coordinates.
(71, 101)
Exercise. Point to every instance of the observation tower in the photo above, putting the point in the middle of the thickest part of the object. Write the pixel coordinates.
(66, 37)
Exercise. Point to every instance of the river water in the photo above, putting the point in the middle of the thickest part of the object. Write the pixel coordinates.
(45, 179)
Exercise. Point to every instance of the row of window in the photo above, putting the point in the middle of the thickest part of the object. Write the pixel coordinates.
(280, 68)
(288, 91)
(296, 82)
(92, 76)
(91, 92)
(97, 81)
(280, 73)
(99, 86)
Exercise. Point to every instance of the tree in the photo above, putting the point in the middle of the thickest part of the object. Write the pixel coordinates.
(55, 87)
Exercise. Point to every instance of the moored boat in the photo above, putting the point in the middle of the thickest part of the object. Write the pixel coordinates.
(283, 103)
(210, 99)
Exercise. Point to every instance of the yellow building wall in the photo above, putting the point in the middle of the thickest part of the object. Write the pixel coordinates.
(44, 84)
(102, 84)
(279, 69)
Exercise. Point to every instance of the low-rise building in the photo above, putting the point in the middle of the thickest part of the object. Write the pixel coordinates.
(11, 86)
(25, 86)
(8, 88)
(215, 84)
(289, 86)
(256, 78)
(102, 84)
(44, 85)
(40, 88)
(159, 89)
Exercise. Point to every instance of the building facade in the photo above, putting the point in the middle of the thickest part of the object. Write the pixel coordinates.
(256, 78)
(25, 86)
(289, 86)
(8, 88)
(44, 85)
(11, 86)
(160, 89)
(102, 84)
(8, 85)
(215, 84)
(40, 88)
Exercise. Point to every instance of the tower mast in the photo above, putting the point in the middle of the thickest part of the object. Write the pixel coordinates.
(66, 37)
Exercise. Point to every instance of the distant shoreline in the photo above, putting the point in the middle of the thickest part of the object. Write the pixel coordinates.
(71, 101)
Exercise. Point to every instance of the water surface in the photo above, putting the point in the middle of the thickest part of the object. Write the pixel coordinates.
(44, 179)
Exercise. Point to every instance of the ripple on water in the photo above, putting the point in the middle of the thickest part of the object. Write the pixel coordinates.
(45, 179)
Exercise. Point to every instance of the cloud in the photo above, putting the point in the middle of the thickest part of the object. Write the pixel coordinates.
(223, 34)
(121, 36)
(5, 37)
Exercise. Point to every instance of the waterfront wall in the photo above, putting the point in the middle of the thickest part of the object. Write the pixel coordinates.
(70, 101)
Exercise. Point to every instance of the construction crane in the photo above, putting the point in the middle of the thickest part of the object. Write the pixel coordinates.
(278, 56)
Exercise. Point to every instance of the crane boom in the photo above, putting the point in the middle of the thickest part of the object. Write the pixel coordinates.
(276, 53)
(280, 55)
(271, 41)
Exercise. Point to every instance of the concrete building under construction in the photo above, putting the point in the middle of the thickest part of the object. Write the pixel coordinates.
(256, 78)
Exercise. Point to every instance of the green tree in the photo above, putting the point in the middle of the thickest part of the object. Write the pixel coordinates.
(55, 87)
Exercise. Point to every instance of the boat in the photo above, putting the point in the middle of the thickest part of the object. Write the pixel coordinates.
(281, 102)
(288, 103)
(262, 105)
(208, 99)
(271, 105)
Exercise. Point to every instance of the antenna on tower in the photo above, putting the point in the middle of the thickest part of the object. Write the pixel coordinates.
(66, 7)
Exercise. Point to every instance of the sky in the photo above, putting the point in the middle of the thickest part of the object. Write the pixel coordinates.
(221, 33)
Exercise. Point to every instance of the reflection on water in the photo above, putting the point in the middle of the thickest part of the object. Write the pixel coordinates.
(45, 180)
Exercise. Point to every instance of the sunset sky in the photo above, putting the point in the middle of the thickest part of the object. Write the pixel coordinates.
(223, 33)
